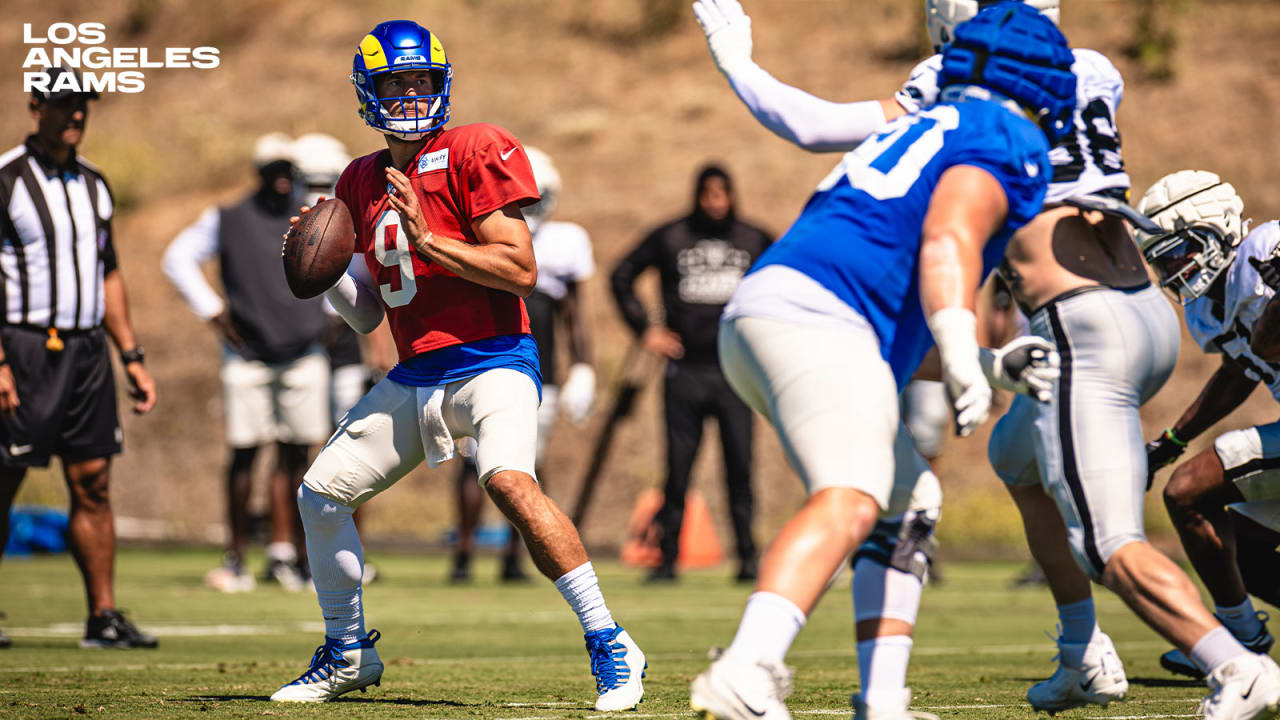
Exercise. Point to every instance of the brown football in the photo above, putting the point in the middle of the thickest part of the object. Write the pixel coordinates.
(318, 249)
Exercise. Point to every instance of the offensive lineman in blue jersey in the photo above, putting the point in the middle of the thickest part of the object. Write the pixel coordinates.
(1072, 462)
(888, 252)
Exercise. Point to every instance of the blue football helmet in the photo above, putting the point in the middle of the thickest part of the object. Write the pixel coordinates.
(1013, 50)
(394, 46)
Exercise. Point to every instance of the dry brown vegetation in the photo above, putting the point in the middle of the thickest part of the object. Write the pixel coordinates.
(625, 98)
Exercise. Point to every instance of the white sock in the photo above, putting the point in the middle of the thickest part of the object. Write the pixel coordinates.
(343, 614)
(337, 563)
(884, 592)
(1215, 648)
(882, 666)
(769, 626)
(282, 551)
(581, 590)
(1242, 620)
(1079, 621)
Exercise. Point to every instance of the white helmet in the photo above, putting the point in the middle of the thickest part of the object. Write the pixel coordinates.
(1202, 217)
(320, 159)
(548, 179)
(942, 16)
(272, 147)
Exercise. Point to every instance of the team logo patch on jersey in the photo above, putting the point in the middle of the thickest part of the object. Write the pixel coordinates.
(438, 160)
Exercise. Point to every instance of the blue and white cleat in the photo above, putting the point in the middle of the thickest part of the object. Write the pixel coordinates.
(336, 669)
(618, 666)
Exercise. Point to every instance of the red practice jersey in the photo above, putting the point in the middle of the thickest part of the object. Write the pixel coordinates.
(461, 174)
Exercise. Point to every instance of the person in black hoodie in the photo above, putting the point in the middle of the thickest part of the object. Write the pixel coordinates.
(275, 374)
(700, 259)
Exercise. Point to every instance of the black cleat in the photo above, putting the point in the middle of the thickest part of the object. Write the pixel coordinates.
(1176, 662)
(664, 573)
(112, 630)
(512, 572)
(461, 569)
(1033, 576)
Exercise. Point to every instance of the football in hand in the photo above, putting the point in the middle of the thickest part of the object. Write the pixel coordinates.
(318, 248)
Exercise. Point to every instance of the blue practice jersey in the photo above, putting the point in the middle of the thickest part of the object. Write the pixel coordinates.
(859, 235)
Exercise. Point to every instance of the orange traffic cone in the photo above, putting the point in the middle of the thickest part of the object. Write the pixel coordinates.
(699, 545)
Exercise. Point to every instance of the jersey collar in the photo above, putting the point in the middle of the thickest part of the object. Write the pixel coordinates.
(46, 161)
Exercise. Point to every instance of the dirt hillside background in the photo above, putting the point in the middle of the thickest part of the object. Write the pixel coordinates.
(624, 97)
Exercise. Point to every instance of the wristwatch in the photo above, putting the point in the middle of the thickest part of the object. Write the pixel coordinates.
(136, 355)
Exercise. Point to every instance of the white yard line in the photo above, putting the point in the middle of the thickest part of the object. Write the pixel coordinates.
(70, 630)
(1137, 717)
(57, 630)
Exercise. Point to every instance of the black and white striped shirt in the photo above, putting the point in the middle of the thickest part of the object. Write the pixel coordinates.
(56, 240)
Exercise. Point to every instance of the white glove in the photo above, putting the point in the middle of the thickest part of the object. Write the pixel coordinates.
(728, 31)
(955, 333)
(578, 392)
(1028, 365)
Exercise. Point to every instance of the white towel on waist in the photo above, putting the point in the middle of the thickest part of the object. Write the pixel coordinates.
(437, 441)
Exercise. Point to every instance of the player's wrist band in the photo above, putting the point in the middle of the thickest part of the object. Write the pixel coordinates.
(136, 355)
(1173, 438)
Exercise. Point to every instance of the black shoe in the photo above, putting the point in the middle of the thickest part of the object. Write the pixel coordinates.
(512, 572)
(1033, 576)
(461, 569)
(662, 574)
(934, 575)
(748, 571)
(286, 572)
(112, 630)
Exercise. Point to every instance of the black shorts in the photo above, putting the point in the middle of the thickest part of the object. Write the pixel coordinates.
(68, 399)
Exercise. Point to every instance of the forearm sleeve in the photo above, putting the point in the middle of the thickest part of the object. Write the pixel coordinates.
(356, 298)
(182, 259)
(806, 120)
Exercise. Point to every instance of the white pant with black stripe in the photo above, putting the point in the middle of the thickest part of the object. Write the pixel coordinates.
(1086, 446)
(1251, 461)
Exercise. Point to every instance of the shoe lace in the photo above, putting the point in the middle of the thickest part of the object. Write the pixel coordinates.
(326, 657)
(780, 676)
(1056, 637)
(126, 629)
(603, 665)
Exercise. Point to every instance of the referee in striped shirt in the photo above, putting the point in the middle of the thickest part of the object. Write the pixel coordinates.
(59, 288)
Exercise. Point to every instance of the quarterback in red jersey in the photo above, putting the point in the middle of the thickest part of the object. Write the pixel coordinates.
(428, 305)
(443, 251)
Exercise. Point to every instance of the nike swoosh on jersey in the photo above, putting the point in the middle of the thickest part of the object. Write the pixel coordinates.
(19, 449)
(506, 154)
(1245, 695)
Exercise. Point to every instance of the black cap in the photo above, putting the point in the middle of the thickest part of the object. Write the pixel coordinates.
(65, 93)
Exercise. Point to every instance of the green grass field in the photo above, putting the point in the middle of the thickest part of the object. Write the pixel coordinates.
(494, 651)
